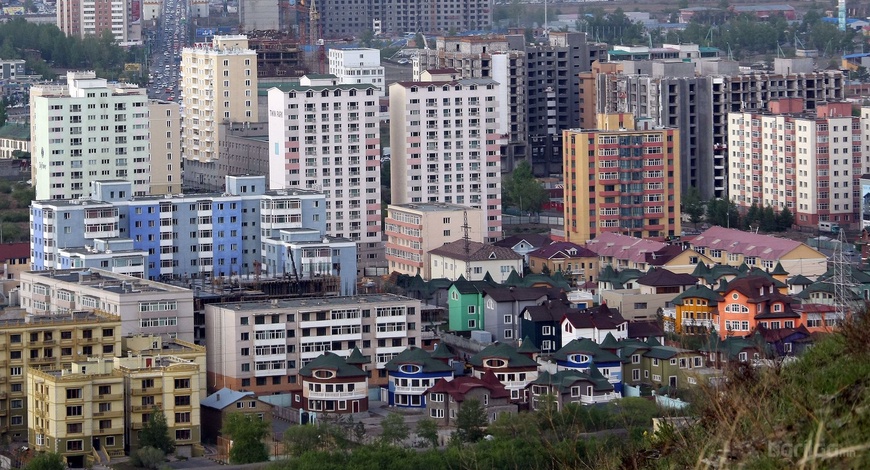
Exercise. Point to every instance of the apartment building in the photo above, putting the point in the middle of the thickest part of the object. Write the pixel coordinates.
(808, 162)
(539, 86)
(324, 136)
(47, 341)
(80, 18)
(446, 137)
(218, 84)
(261, 346)
(413, 230)
(142, 306)
(243, 150)
(259, 15)
(85, 131)
(622, 177)
(164, 124)
(14, 136)
(356, 66)
(696, 98)
(341, 19)
(190, 236)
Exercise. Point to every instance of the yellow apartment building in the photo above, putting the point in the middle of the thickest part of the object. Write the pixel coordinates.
(77, 412)
(47, 342)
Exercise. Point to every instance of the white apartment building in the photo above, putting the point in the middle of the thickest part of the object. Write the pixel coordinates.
(218, 84)
(357, 66)
(413, 230)
(324, 136)
(446, 138)
(809, 162)
(165, 127)
(85, 131)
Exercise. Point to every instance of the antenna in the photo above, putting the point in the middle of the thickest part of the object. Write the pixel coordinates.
(842, 279)
(467, 240)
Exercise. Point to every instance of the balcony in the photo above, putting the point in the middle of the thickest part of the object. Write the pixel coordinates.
(336, 395)
(110, 431)
(411, 390)
(114, 396)
(146, 391)
(144, 408)
(42, 360)
(109, 414)
(137, 425)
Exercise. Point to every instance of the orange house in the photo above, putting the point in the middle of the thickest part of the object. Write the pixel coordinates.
(755, 300)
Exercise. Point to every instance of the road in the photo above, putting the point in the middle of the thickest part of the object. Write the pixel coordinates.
(166, 44)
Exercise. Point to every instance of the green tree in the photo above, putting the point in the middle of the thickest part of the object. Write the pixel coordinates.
(723, 212)
(247, 432)
(785, 219)
(753, 215)
(393, 429)
(470, 422)
(148, 457)
(522, 190)
(693, 206)
(155, 433)
(3, 111)
(46, 461)
(768, 220)
(427, 429)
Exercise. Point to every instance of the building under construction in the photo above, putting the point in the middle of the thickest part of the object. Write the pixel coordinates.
(279, 54)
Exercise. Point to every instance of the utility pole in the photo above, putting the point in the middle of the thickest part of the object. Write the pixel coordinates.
(465, 237)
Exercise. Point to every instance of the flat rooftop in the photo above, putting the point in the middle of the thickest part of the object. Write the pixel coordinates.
(326, 302)
(432, 206)
(39, 321)
(105, 280)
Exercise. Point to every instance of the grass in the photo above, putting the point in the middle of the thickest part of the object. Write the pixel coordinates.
(812, 414)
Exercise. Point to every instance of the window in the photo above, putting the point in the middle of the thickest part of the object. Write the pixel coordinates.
(472, 324)
(74, 428)
(182, 383)
(182, 434)
(436, 413)
(74, 410)
(73, 394)
(75, 445)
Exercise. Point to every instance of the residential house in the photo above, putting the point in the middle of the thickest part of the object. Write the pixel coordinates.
(593, 323)
(217, 407)
(712, 276)
(643, 330)
(676, 259)
(819, 317)
(651, 364)
(735, 247)
(572, 386)
(502, 306)
(541, 324)
(465, 304)
(512, 368)
(14, 260)
(622, 251)
(786, 341)
(473, 260)
(753, 300)
(524, 244)
(445, 398)
(331, 385)
(411, 374)
(732, 350)
(575, 262)
(583, 354)
(695, 309)
(653, 291)
(796, 284)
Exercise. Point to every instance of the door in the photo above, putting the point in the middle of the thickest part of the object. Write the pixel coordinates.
(355, 406)
(96, 443)
(673, 381)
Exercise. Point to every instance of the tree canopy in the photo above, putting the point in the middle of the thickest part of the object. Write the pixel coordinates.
(470, 421)
(520, 189)
(155, 433)
(247, 432)
(393, 429)
(46, 461)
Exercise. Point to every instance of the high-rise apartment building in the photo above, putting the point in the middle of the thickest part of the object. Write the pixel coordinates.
(80, 18)
(340, 19)
(540, 86)
(47, 342)
(356, 66)
(324, 136)
(446, 137)
(85, 131)
(413, 230)
(218, 84)
(164, 125)
(191, 236)
(261, 346)
(810, 162)
(622, 177)
(697, 97)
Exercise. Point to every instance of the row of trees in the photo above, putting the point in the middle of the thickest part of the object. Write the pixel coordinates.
(724, 213)
(44, 46)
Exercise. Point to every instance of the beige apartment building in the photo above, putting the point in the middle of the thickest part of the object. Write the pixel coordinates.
(165, 126)
(218, 84)
(414, 229)
(144, 307)
(47, 342)
(261, 346)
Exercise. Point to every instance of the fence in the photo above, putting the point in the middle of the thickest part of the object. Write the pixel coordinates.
(668, 402)
(507, 219)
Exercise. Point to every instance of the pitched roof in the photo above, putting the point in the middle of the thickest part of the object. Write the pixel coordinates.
(464, 286)
(511, 294)
(458, 387)
(334, 362)
(610, 342)
(14, 250)
(565, 379)
(417, 357)
(754, 287)
(356, 357)
(550, 311)
(528, 346)
(224, 398)
(476, 251)
(664, 352)
(644, 329)
(563, 250)
(502, 351)
(779, 334)
(698, 292)
(442, 351)
(623, 247)
(601, 317)
(778, 270)
(764, 247)
(661, 277)
(585, 346)
(662, 256)
(799, 280)
(536, 240)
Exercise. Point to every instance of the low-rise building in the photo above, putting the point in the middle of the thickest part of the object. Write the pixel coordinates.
(541, 324)
(446, 397)
(411, 374)
(695, 311)
(473, 260)
(524, 244)
(571, 386)
(217, 407)
(593, 323)
(331, 385)
(577, 263)
(583, 354)
(513, 369)
(14, 259)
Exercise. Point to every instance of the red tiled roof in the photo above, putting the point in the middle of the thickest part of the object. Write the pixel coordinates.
(764, 247)
(458, 387)
(14, 250)
(476, 251)
(816, 308)
(623, 247)
(751, 287)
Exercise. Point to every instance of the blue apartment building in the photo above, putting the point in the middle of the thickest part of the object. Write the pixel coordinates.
(246, 231)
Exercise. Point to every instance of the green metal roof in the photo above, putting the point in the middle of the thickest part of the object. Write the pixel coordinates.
(15, 131)
(333, 362)
(502, 351)
(417, 357)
